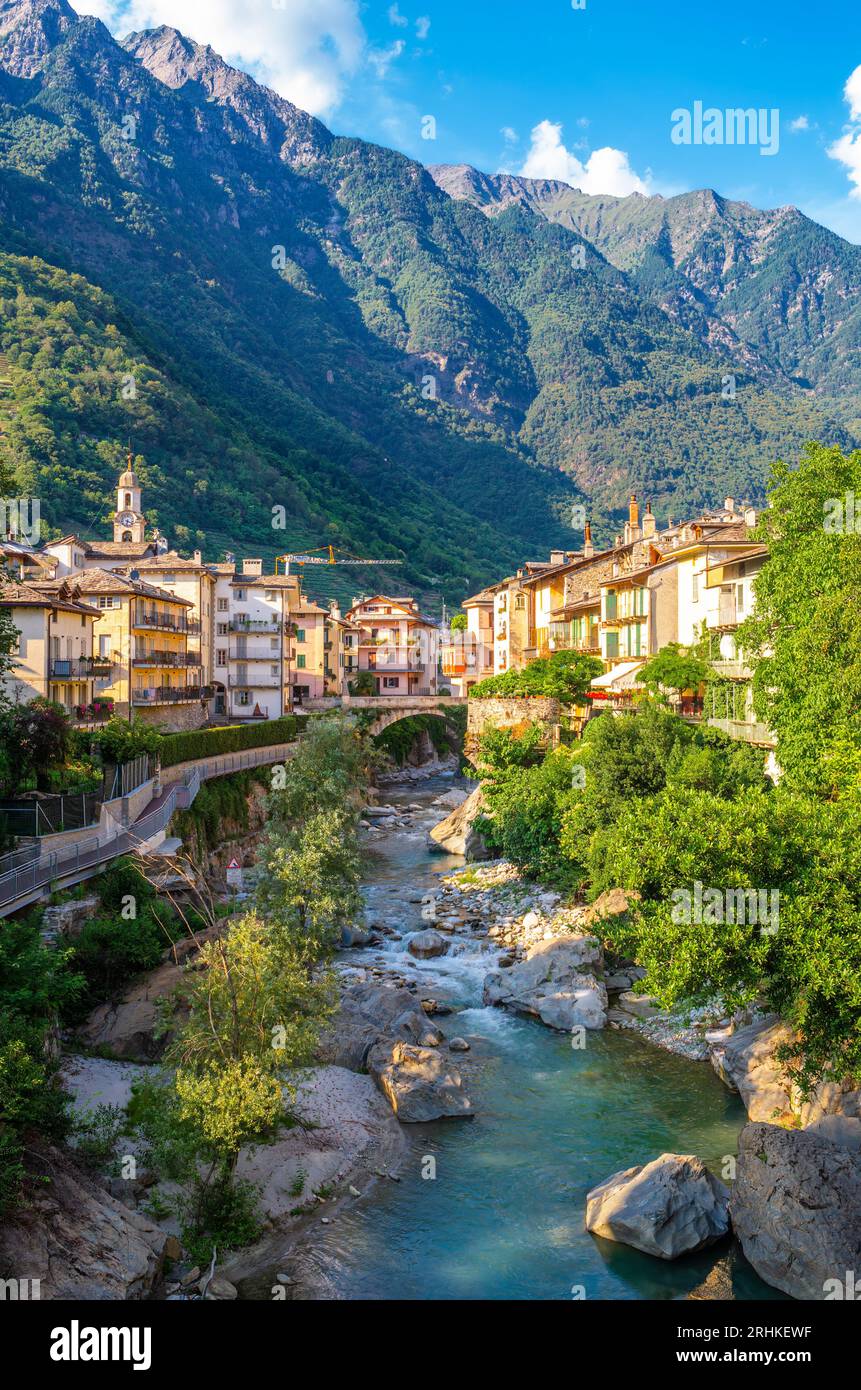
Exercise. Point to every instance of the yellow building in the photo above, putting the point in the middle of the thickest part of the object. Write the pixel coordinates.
(54, 654)
(143, 631)
(189, 579)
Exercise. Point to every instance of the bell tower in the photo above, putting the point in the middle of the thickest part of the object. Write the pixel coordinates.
(129, 524)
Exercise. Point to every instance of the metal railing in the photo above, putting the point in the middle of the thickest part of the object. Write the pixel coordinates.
(26, 871)
(79, 667)
(150, 617)
(51, 815)
(272, 625)
(175, 660)
(167, 695)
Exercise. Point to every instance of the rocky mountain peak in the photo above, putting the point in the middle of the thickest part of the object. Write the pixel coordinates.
(29, 30)
(196, 69)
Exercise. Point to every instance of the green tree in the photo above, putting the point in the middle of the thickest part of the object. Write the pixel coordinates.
(309, 889)
(675, 669)
(459, 622)
(804, 637)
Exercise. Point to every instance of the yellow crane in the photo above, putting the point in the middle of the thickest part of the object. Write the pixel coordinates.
(331, 556)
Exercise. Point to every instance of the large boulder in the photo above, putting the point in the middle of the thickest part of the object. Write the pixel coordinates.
(457, 835)
(418, 1083)
(669, 1207)
(80, 1242)
(616, 902)
(427, 944)
(557, 982)
(367, 1013)
(796, 1208)
(746, 1061)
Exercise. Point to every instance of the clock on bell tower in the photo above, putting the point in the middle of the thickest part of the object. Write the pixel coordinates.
(129, 524)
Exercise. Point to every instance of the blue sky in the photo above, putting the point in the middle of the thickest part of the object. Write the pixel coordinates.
(587, 94)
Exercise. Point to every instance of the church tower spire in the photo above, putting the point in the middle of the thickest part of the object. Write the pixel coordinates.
(129, 524)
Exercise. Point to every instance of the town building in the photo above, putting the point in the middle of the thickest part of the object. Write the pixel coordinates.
(397, 644)
(466, 655)
(54, 654)
(141, 630)
(253, 651)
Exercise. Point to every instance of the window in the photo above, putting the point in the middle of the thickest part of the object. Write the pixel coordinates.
(695, 588)
(221, 657)
(221, 629)
(222, 605)
(273, 644)
(739, 597)
(243, 697)
(273, 670)
(390, 682)
(240, 595)
(106, 601)
(300, 662)
(271, 596)
(520, 602)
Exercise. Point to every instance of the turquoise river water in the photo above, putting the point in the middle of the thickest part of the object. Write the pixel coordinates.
(503, 1217)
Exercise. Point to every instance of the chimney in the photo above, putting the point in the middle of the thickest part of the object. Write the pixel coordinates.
(588, 547)
(252, 567)
(648, 521)
(557, 557)
(750, 516)
(633, 512)
(729, 505)
(198, 558)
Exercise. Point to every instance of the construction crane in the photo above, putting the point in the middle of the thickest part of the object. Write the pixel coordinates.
(330, 557)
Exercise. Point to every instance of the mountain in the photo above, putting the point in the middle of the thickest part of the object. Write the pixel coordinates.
(770, 287)
(278, 317)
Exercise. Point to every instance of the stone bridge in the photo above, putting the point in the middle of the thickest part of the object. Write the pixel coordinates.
(389, 710)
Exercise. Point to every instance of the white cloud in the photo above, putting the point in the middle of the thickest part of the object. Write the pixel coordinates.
(800, 123)
(395, 17)
(847, 150)
(381, 59)
(605, 171)
(307, 50)
(422, 26)
(509, 135)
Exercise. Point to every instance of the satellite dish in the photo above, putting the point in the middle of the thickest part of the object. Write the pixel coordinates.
(134, 574)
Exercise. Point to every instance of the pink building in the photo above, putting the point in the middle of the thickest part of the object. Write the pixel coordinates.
(397, 643)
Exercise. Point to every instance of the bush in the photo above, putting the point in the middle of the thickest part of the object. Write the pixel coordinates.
(232, 738)
(564, 676)
(111, 950)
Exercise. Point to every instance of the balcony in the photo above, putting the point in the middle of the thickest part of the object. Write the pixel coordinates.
(727, 615)
(272, 625)
(246, 681)
(77, 668)
(163, 622)
(174, 661)
(733, 670)
(241, 653)
(170, 695)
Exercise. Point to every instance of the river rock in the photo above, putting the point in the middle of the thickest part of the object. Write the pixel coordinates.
(80, 1242)
(418, 1084)
(796, 1208)
(67, 919)
(457, 835)
(427, 944)
(452, 799)
(614, 903)
(556, 983)
(746, 1062)
(355, 936)
(669, 1207)
(413, 1026)
(458, 1045)
(368, 1010)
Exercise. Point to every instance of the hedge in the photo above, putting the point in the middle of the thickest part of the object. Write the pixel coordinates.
(232, 738)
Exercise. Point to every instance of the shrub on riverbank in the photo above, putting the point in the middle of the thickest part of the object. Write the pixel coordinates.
(564, 676)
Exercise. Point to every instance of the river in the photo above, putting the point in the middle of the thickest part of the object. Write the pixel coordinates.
(503, 1216)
